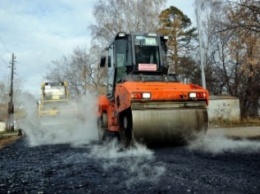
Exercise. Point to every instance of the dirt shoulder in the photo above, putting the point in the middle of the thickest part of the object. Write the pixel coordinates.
(237, 132)
(6, 139)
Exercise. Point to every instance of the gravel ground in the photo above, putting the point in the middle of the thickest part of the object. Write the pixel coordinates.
(212, 165)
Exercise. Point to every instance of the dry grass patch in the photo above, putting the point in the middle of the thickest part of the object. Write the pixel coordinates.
(249, 122)
(7, 138)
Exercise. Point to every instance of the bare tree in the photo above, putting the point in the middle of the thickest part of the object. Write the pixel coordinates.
(100, 74)
(246, 14)
(209, 13)
(79, 70)
(113, 16)
(245, 27)
(233, 50)
(5, 95)
(4, 92)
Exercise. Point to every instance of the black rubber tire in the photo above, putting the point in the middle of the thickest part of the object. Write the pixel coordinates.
(102, 125)
(125, 131)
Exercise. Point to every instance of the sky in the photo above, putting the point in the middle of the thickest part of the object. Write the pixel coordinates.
(41, 31)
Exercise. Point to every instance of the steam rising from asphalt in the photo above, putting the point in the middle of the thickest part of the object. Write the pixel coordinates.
(138, 164)
(218, 143)
(134, 162)
(74, 131)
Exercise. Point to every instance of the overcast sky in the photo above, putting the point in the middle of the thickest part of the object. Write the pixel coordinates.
(40, 31)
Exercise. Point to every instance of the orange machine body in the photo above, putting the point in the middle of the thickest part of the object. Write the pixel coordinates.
(129, 92)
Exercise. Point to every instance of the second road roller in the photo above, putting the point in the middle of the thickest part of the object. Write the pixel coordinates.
(143, 102)
(55, 107)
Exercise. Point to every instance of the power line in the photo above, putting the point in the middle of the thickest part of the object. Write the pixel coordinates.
(4, 44)
(1, 67)
(3, 60)
(5, 49)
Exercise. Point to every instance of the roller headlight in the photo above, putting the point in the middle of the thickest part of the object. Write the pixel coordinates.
(192, 95)
(141, 95)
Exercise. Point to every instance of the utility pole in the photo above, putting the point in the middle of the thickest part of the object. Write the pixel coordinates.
(203, 80)
(10, 122)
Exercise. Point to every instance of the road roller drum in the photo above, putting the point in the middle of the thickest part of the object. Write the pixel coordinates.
(168, 126)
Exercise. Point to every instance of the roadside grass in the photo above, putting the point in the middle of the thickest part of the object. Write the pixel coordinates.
(4, 134)
(7, 138)
(248, 122)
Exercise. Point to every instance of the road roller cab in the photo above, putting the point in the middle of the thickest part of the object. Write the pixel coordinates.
(55, 107)
(143, 102)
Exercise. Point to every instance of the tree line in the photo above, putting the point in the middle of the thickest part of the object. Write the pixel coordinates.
(230, 45)
(230, 32)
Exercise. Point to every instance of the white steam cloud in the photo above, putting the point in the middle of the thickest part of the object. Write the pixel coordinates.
(218, 143)
(134, 162)
(73, 131)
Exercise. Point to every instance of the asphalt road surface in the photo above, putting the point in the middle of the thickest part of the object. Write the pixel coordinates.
(212, 165)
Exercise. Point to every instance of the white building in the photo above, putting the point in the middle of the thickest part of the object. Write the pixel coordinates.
(224, 108)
